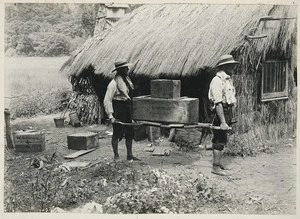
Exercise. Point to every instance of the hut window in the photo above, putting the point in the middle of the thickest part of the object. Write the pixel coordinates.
(274, 80)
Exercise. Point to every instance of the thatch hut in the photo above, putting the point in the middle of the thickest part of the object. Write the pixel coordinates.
(185, 41)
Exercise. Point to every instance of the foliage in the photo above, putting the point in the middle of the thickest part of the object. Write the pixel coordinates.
(158, 192)
(41, 187)
(57, 45)
(118, 187)
(247, 144)
(31, 28)
(89, 20)
(24, 45)
(86, 106)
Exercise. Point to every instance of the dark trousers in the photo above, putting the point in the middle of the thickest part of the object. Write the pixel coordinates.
(220, 136)
(122, 112)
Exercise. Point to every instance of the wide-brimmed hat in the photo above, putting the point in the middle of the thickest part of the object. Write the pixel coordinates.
(226, 59)
(121, 63)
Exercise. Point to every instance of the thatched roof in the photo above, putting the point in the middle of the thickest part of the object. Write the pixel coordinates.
(180, 39)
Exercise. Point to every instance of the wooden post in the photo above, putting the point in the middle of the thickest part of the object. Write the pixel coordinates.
(172, 134)
(101, 113)
(8, 129)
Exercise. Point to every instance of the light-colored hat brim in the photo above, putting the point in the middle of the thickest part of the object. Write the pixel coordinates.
(122, 66)
(228, 62)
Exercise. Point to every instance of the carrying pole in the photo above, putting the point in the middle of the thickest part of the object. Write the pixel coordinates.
(147, 123)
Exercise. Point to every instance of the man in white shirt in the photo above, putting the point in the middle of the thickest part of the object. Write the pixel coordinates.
(222, 96)
(117, 104)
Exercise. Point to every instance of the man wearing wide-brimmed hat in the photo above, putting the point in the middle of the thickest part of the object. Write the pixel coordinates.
(222, 96)
(117, 104)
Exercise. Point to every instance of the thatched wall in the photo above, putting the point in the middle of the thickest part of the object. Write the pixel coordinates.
(185, 41)
(180, 39)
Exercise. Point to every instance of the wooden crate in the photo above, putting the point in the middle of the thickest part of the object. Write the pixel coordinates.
(182, 110)
(83, 141)
(167, 89)
(29, 141)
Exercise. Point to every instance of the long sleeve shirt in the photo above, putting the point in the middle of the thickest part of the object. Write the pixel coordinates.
(116, 90)
(221, 89)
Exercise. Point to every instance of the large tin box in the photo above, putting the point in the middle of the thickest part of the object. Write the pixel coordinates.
(182, 110)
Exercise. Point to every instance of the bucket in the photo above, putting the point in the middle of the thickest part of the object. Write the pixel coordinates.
(59, 122)
(74, 120)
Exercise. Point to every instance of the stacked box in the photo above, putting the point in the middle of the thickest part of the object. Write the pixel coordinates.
(29, 141)
(182, 110)
(83, 141)
(166, 89)
(165, 105)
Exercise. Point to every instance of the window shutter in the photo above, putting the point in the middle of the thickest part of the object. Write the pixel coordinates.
(274, 83)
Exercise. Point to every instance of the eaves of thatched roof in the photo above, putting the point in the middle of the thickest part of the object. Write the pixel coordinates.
(180, 39)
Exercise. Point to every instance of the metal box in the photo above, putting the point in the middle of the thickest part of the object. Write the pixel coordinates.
(182, 110)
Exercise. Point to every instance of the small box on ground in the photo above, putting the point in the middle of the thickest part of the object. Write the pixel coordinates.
(29, 141)
(166, 89)
(83, 141)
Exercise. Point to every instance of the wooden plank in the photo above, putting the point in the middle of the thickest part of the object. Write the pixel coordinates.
(162, 151)
(270, 70)
(276, 95)
(275, 77)
(286, 77)
(79, 153)
(183, 110)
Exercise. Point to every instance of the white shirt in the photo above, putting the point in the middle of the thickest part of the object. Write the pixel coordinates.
(116, 90)
(221, 89)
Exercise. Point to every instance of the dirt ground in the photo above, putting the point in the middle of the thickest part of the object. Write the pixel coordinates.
(264, 184)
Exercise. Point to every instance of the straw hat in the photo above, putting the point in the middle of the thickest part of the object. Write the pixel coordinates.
(226, 59)
(121, 63)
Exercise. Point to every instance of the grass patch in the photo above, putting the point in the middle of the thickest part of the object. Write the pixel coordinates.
(33, 85)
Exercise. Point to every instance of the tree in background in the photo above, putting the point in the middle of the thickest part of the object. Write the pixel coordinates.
(25, 46)
(31, 28)
(57, 44)
(89, 17)
(89, 22)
